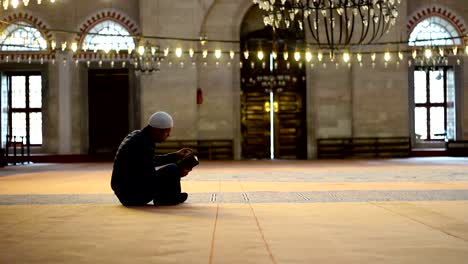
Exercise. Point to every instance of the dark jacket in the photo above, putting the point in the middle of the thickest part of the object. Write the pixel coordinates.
(135, 162)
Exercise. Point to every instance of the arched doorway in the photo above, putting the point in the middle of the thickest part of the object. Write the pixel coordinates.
(273, 109)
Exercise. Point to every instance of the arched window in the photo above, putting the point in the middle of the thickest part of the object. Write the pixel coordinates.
(109, 35)
(434, 29)
(22, 36)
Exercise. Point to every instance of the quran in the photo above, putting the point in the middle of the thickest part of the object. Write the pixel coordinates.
(188, 162)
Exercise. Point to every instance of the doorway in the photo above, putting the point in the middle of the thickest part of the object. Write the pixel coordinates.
(273, 93)
(108, 102)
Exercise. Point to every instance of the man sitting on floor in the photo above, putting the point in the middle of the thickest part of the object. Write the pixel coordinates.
(139, 175)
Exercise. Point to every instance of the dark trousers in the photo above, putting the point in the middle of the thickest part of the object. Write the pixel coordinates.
(165, 185)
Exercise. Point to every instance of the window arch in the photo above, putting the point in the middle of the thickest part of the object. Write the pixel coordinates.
(108, 35)
(434, 29)
(22, 36)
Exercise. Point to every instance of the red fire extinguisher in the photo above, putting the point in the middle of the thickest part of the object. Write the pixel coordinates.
(199, 96)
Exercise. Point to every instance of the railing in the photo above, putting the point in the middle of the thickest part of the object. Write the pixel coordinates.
(363, 147)
(218, 149)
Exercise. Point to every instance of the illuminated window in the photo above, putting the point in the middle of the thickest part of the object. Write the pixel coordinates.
(432, 89)
(25, 112)
(433, 30)
(22, 36)
(109, 35)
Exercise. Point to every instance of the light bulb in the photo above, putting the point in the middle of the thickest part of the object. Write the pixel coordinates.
(64, 46)
(320, 56)
(26, 2)
(373, 56)
(205, 53)
(74, 47)
(166, 52)
(387, 56)
(178, 52)
(308, 56)
(232, 54)
(14, 3)
(359, 57)
(297, 55)
(274, 55)
(260, 55)
(218, 54)
(346, 57)
(191, 52)
(400, 55)
(53, 44)
(141, 50)
(285, 55)
(246, 54)
(428, 53)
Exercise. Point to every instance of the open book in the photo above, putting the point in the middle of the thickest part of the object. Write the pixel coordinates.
(188, 162)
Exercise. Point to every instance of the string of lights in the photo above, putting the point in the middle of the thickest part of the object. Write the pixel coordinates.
(306, 52)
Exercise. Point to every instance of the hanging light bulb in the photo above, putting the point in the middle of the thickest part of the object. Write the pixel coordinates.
(39, 2)
(74, 47)
(64, 46)
(414, 54)
(428, 53)
(455, 50)
(53, 44)
(346, 57)
(14, 3)
(232, 54)
(466, 49)
(5, 4)
(297, 55)
(205, 53)
(178, 52)
(285, 55)
(26, 2)
(191, 52)
(441, 52)
(260, 55)
(274, 55)
(166, 52)
(359, 57)
(400, 55)
(308, 55)
(387, 56)
(246, 54)
(373, 57)
(141, 50)
(320, 56)
(129, 50)
(218, 54)
(85, 47)
(52, 1)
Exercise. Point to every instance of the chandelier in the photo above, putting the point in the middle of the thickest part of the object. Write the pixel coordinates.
(15, 3)
(148, 58)
(333, 24)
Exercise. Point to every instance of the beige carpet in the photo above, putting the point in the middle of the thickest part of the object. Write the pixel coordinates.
(375, 211)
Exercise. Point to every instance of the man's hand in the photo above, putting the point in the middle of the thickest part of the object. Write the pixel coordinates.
(183, 152)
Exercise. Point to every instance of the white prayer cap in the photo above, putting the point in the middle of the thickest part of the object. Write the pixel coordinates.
(161, 120)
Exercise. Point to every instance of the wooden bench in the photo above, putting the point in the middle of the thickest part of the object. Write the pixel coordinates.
(363, 147)
(457, 148)
(219, 149)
